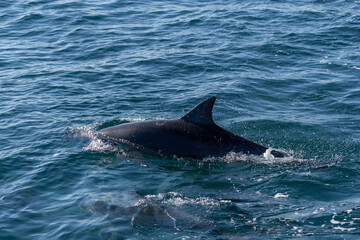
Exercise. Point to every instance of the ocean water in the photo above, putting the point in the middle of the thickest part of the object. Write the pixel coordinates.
(286, 74)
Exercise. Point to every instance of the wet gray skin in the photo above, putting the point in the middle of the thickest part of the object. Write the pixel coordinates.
(193, 135)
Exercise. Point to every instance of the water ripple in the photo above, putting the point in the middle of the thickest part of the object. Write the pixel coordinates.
(285, 75)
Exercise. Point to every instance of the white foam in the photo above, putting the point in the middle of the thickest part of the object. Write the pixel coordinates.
(87, 131)
(138, 119)
(344, 229)
(157, 196)
(267, 154)
(267, 158)
(177, 199)
(333, 221)
(280, 195)
(96, 144)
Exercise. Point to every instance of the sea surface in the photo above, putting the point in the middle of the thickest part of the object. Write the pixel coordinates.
(286, 74)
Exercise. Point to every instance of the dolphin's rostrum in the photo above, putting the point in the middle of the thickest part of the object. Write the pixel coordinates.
(194, 135)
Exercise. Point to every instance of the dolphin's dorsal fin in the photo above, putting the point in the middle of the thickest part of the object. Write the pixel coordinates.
(201, 113)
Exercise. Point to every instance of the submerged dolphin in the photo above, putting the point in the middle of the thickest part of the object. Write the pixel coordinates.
(194, 135)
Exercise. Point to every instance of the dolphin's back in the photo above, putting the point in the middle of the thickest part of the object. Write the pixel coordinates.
(181, 138)
(193, 135)
(172, 137)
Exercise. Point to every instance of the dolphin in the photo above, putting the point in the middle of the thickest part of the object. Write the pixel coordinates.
(194, 135)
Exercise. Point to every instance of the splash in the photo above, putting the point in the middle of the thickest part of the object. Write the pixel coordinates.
(86, 131)
(267, 154)
(96, 144)
(267, 158)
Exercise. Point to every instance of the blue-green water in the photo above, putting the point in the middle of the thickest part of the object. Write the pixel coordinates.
(285, 73)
